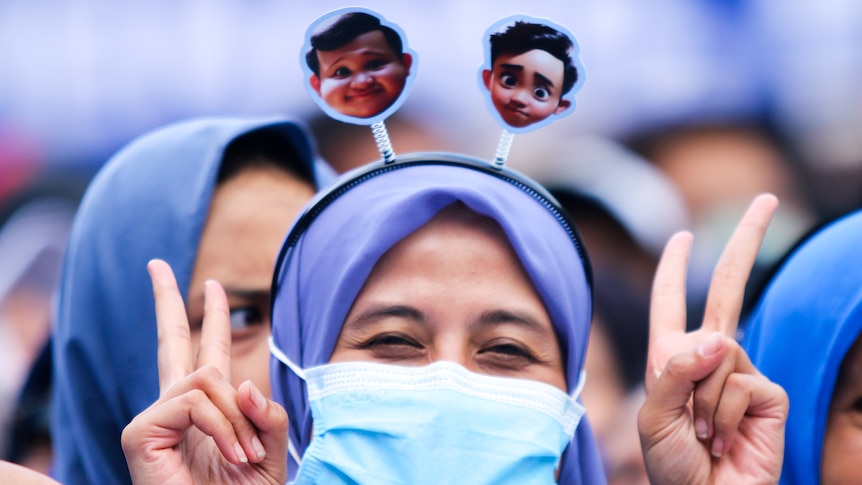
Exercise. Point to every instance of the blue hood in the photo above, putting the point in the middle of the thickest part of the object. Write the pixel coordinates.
(808, 318)
(149, 201)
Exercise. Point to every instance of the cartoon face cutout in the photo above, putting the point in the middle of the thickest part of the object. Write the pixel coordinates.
(357, 66)
(531, 72)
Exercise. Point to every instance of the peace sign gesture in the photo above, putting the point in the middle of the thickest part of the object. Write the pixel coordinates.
(202, 430)
(710, 416)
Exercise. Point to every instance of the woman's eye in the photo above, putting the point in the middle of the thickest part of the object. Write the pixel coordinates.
(508, 80)
(391, 340)
(245, 317)
(541, 93)
(857, 405)
(508, 354)
(341, 72)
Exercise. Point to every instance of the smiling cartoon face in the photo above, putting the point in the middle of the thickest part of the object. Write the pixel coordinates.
(526, 88)
(362, 78)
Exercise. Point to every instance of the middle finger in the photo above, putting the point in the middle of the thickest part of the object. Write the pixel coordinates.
(727, 288)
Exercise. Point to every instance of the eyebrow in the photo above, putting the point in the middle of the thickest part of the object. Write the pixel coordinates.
(512, 67)
(540, 79)
(499, 317)
(378, 311)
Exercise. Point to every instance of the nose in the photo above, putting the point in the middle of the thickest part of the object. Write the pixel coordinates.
(519, 98)
(451, 348)
(362, 79)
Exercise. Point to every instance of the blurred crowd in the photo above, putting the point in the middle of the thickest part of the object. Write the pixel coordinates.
(689, 109)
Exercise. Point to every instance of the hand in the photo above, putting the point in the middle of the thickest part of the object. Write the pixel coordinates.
(709, 416)
(202, 430)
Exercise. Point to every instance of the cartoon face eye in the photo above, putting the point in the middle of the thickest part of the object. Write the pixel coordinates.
(508, 80)
(541, 93)
(341, 73)
(376, 64)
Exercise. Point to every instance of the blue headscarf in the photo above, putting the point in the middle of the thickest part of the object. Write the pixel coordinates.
(332, 249)
(149, 201)
(808, 318)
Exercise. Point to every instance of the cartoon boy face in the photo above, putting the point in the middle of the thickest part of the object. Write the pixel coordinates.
(526, 88)
(362, 78)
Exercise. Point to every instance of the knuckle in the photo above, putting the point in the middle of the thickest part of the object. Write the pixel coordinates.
(677, 366)
(194, 397)
(206, 374)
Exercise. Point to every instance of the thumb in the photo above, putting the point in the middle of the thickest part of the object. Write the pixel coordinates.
(270, 420)
(669, 397)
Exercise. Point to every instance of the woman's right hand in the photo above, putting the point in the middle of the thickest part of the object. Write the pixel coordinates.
(202, 430)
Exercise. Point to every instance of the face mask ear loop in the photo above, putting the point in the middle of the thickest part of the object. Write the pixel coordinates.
(291, 450)
(284, 359)
(579, 387)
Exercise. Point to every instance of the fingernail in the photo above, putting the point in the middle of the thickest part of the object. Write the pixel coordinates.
(711, 345)
(717, 447)
(701, 429)
(240, 453)
(256, 397)
(258, 447)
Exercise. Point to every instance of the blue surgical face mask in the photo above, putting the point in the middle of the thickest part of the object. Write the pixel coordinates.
(386, 424)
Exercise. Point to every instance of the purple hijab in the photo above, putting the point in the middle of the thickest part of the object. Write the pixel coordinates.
(333, 247)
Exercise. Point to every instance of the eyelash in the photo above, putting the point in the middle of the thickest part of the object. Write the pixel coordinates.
(390, 339)
(508, 355)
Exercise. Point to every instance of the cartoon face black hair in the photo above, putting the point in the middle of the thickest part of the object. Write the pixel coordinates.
(525, 36)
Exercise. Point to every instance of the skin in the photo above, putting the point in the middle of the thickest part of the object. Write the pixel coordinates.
(697, 377)
(363, 78)
(842, 443)
(17, 474)
(238, 247)
(526, 88)
(430, 298)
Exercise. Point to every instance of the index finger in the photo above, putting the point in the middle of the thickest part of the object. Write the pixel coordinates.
(727, 288)
(667, 305)
(175, 347)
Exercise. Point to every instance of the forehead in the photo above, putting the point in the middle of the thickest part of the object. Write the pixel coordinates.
(368, 44)
(248, 217)
(534, 61)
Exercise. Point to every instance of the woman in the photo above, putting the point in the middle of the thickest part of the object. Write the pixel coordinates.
(805, 335)
(214, 196)
(386, 273)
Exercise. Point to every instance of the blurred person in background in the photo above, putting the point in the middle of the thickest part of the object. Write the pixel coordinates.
(215, 197)
(805, 334)
(34, 226)
(625, 209)
(718, 167)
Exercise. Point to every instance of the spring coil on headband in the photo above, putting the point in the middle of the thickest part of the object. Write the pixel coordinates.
(384, 145)
(503, 147)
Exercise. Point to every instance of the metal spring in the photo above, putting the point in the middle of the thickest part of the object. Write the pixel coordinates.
(384, 145)
(503, 147)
